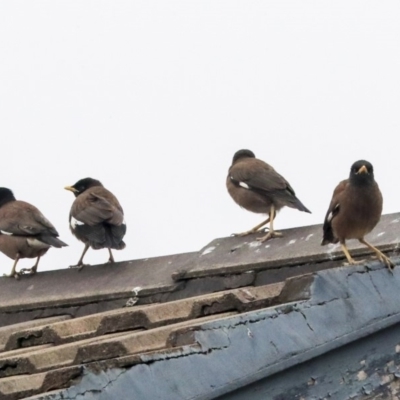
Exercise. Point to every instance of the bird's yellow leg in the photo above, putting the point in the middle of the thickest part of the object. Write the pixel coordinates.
(253, 230)
(111, 259)
(350, 259)
(272, 233)
(80, 264)
(386, 260)
(13, 270)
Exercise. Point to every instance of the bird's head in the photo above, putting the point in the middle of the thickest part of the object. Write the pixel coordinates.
(82, 185)
(362, 172)
(6, 195)
(242, 154)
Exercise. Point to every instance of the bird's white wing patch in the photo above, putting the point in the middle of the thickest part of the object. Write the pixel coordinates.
(242, 184)
(74, 222)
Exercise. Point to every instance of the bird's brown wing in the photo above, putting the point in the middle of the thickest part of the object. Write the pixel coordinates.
(334, 206)
(21, 218)
(257, 174)
(96, 206)
(333, 211)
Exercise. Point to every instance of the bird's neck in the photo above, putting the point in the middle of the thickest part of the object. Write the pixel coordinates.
(362, 181)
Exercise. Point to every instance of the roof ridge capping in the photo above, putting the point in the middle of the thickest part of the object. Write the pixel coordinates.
(298, 246)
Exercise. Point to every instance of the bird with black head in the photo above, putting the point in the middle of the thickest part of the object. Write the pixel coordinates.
(354, 211)
(257, 187)
(24, 232)
(96, 218)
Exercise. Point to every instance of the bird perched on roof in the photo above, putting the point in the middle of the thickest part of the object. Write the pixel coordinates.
(96, 217)
(355, 209)
(24, 231)
(257, 187)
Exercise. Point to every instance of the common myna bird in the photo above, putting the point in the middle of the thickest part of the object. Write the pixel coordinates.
(96, 217)
(355, 209)
(257, 187)
(24, 231)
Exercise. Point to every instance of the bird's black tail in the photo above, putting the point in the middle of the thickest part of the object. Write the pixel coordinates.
(114, 235)
(111, 238)
(328, 236)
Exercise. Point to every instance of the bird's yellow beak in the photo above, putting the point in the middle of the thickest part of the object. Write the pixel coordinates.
(362, 170)
(71, 189)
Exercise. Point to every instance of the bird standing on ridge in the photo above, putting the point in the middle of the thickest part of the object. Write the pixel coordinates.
(96, 218)
(24, 231)
(257, 187)
(355, 209)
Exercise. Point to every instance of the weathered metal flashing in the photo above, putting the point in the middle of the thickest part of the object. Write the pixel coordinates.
(221, 356)
(366, 369)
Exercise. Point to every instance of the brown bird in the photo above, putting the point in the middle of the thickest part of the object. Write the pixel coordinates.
(257, 187)
(355, 209)
(96, 218)
(24, 231)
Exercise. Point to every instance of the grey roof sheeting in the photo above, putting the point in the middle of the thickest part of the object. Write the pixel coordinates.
(106, 323)
(118, 334)
(218, 356)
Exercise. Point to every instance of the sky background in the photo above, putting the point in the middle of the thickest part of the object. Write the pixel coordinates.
(154, 97)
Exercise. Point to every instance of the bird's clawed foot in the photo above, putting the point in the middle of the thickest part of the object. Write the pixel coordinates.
(79, 266)
(387, 261)
(28, 271)
(258, 228)
(270, 235)
(16, 275)
(381, 257)
(351, 261)
(247, 232)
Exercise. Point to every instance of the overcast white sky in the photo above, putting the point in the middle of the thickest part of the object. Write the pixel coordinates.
(153, 98)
